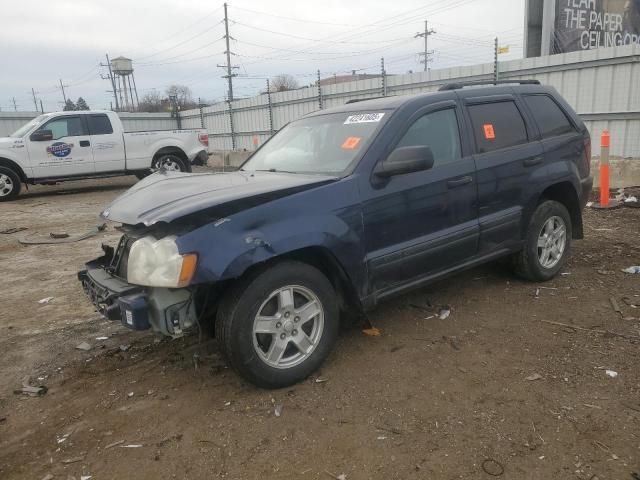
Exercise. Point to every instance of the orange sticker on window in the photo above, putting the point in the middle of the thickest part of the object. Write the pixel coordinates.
(351, 143)
(489, 133)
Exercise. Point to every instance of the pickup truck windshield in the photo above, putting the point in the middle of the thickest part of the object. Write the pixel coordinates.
(322, 144)
(25, 128)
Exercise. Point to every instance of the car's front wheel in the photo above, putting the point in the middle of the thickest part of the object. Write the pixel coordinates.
(276, 327)
(547, 243)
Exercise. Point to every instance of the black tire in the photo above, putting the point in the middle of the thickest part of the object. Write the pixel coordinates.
(241, 305)
(170, 158)
(10, 184)
(528, 263)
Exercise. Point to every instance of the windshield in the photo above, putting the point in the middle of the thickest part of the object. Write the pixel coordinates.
(25, 128)
(321, 144)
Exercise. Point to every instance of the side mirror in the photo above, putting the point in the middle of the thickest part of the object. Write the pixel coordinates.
(405, 160)
(41, 136)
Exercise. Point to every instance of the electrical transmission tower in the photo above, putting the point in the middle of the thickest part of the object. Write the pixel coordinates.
(229, 76)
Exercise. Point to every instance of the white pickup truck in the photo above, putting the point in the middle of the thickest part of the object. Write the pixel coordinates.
(61, 146)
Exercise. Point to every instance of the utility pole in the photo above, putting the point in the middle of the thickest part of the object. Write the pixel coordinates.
(426, 35)
(229, 76)
(41, 107)
(35, 102)
(64, 96)
(270, 108)
(111, 79)
(495, 62)
(15, 107)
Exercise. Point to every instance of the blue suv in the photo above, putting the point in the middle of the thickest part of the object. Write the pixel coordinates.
(342, 209)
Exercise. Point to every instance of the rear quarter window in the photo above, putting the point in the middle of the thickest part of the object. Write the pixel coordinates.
(497, 125)
(551, 120)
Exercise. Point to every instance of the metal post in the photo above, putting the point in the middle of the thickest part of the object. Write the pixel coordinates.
(201, 113)
(495, 61)
(133, 103)
(15, 107)
(384, 77)
(41, 107)
(233, 133)
(270, 107)
(64, 96)
(113, 83)
(319, 92)
(35, 102)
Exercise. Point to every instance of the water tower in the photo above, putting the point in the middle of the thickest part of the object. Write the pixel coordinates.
(122, 69)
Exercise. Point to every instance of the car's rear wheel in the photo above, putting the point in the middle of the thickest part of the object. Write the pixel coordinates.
(547, 243)
(10, 184)
(276, 327)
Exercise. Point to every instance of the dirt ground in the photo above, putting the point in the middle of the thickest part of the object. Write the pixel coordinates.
(492, 391)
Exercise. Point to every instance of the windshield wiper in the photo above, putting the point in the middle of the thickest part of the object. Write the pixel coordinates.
(274, 170)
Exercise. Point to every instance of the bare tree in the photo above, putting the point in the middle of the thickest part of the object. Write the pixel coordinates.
(183, 95)
(283, 82)
(154, 102)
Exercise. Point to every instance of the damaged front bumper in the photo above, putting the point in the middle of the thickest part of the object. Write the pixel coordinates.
(168, 311)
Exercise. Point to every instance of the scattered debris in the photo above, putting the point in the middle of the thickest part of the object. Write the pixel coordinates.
(114, 444)
(45, 300)
(84, 346)
(534, 377)
(166, 440)
(492, 467)
(593, 330)
(132, 445)
(614, 304)
(48, 240)
(37, 391)
(611, 373)
(394, 430)
(372, 332)
(73, 460)
(632, 270)
(124, 348)
(102, 338)
(85, 477)
(342, 476)
(59, 235)
(321, 380)
(10, 231)
(278, 409)
(130, 394)
(444, 312)
(48, 476)
(453, 341)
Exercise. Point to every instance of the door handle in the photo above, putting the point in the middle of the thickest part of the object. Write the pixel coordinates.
(532, 162)
(460, 182)
(85, 143)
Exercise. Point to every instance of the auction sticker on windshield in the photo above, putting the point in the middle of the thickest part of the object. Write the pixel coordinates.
(364, 118)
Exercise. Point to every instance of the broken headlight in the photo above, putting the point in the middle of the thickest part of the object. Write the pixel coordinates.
(158, 263)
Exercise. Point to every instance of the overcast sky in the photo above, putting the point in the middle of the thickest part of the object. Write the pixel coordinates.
(181, 42)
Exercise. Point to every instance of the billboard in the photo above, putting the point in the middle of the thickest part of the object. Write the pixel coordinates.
(591, 24)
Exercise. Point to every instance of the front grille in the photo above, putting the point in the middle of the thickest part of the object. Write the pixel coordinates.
(120, 259)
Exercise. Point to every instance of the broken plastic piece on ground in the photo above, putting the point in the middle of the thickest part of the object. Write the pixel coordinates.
(35, 240)
(444, 313)
(45, 300)
(321, 380)
(39, 391)
(58, 235)
(278, 409)
(83, 346)
(372, 332)
(133, 445)
(342, 476)
(633, 270)
(611, 373)
(534, 377)
(9, 231)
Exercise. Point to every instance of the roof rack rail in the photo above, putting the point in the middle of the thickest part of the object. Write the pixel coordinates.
(358, 100)
(458, 86)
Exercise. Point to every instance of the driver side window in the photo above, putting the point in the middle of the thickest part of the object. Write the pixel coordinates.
(438, 131)
(65, 127)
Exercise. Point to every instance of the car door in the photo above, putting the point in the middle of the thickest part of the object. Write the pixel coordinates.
(108, 146)
(507, 162)
(423, 222)
(65, 152)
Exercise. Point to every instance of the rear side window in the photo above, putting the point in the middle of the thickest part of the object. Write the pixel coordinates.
(497, 125)
(550, 119)
(99, 125)
(438, 131)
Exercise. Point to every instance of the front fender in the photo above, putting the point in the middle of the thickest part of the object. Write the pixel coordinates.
(229, 246)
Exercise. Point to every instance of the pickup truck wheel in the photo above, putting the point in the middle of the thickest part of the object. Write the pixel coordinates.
(548, 243)
(10, 184)
(279, 325)
(171, 163)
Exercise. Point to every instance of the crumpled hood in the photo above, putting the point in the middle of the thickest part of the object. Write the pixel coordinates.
(166, 196)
